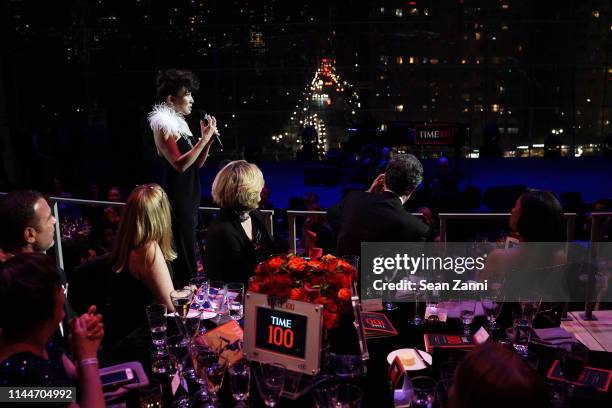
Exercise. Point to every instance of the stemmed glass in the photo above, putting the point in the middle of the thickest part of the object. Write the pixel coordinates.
(235, 299)
(217, 293)
(270, 379)
(572, 358)
(181, 300)
(416, 320)
(201, 357)
(178, 347)
(467, 310)
(492, 302)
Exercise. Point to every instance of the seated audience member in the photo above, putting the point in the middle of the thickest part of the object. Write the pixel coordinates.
(27, 223)
(139, 260)
(28, 355)
(537, 216)
(112, 215)
(378, 215)
(237, 240)
(493, 375)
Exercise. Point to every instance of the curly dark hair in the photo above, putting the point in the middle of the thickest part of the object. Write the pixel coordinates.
(541, 218)
(16, 213)
(403, 174)
(170, 82)
(30, 280)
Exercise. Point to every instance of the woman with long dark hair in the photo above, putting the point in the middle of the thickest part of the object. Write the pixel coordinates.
(183, 155)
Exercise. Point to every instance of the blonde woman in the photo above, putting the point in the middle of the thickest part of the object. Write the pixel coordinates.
(237, 239)
(139, 260)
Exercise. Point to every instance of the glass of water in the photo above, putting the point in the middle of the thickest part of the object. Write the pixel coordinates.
(235, 299)
(199, 285)
(522, 321)
(240, 379)
(217, 292)
(156, 315)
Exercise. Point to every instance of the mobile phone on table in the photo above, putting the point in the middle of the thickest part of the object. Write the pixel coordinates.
(117, 378)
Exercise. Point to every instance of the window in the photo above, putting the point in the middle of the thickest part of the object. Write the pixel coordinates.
(399, 108)
(399, 12)
(399, 60)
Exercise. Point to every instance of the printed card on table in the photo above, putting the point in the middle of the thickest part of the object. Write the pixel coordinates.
(377, 325)
(592, 377)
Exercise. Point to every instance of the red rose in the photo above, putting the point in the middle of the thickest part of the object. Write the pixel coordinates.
(297, 294)
(320, 300)
(331, 306)
(330, 320)
(275, 263)
(345, 280)
(344, 294)
(255, 287)
(282, 286)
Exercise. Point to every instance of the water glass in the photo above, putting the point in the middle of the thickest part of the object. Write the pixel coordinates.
(325, 392)
(522, 321)
(151, 395)
(178, 347)
(160, 359)
(349, 396)
(235, 300)
(348, 366)
(217, 292)
(423, 391)
(270, 379)
(156, 315)
(199, 285)
(240, 379)
(191, 326)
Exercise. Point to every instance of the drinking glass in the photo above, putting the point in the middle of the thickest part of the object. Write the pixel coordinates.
(199, 285)
(492, 302)
(201, 357)
(217, 292)
(160, 360)
(348, 366)
(349, 396)
(151, 395)
(215, 371)
(522, 321)
(181, 300)
(156, 315)
(416, 320)
(270, 379)
(466, 314)
(178, 347)
(235, 300)
(192, 324)
(572, 358)
(240, 379)
(423, 391)
(325, 392)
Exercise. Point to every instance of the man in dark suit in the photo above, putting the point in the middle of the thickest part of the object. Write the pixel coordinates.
(377, 215)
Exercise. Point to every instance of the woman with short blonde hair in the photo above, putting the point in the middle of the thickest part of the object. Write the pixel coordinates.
(139, 258)
(238, 238)
(238, 186)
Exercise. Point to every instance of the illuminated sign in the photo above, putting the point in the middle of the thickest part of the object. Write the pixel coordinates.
(433, 135)
(288, 333)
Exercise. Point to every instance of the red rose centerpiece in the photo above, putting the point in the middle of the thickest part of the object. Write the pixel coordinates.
(326, 281)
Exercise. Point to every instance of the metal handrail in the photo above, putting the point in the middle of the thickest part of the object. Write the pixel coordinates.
(444, 217)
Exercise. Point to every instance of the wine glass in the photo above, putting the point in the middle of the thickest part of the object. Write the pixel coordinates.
(270, 379)
(201, 357)
(423, 391)
(240, 379)
(492, 302)
(214, 372)
(217, 293)
(178, 347)
(181, 300)
(467, 310)
(572, 358)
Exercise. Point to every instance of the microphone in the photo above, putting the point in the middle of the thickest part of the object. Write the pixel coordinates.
(204, 117)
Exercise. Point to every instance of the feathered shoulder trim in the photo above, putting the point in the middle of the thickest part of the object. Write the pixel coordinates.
(168, 121)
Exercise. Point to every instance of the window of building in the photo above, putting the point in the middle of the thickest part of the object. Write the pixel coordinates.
(399, 108)
(399, 12)
(477, 36)
(399, 60)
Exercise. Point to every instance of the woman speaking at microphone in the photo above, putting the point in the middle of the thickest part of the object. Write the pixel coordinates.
(183, 156)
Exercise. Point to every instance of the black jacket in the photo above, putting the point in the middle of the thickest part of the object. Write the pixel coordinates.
(229, 255)
(374, 217)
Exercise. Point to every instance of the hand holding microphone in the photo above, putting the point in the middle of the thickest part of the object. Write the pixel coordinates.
(210, 121)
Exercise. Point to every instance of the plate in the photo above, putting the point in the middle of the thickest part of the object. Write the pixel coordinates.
(408, 352)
